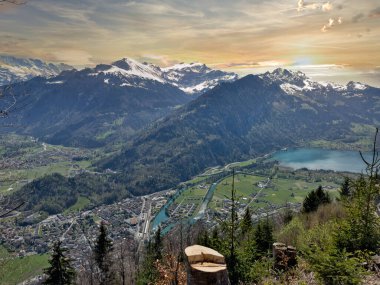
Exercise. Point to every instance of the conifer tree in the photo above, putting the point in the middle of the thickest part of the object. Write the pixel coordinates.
(264, 237)
(361, 231)
(246, 223)
(314, 199)
(60, 271)
(147, 273)
(215, 241)
(232, 261)
(345, 188)
(102, 250)
(157, 244)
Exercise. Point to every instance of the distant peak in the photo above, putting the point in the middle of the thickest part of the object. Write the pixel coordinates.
(356, 85)
(183, 65)
(286, 75)
(287, 72)
(126, 63)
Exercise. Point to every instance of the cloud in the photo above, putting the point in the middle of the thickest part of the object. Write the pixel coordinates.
(252, 64)
(71, 56)
(375, 13)
(325, 7)
(162, 60)
(332, 22)
(358, 17)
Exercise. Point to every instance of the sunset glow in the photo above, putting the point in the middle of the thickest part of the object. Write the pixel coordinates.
(337, 37)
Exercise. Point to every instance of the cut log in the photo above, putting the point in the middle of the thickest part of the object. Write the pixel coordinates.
(284, 256)
(205, 266)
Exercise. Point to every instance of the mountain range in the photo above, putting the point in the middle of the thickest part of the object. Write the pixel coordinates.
(171, 134)
(251, 116)
(14, 69)
(108, 103)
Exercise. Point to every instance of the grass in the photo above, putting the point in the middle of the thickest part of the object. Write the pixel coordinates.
(81, 203)
(193, 195)
(281, 190)
(11, 178)
(242, 163)
(14, 270)
(196, 179)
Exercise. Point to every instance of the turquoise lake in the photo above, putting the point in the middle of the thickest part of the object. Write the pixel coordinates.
(315, 158)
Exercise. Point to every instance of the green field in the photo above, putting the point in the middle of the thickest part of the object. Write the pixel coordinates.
(14, 270)
(192, 195)
(15, 179)
(278, 192)
(81, 203)
(25, 159)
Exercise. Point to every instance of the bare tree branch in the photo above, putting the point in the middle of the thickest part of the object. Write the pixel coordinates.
(2, 215)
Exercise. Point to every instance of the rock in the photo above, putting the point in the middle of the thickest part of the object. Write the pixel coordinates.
(205, 266)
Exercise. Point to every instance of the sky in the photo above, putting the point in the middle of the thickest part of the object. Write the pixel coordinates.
(337, 40)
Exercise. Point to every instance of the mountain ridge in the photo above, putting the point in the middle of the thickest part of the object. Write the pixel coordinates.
(14, 69)
(239, 120)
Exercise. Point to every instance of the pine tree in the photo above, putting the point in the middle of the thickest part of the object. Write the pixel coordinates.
(314, 199)
(345, 188)
(264, 237)
(148, 272)
(246, 223)
(232, 261)
(204, 239)
(361, 230)
(215, 241)
(60, 271)
(157, 244)
(102, 250)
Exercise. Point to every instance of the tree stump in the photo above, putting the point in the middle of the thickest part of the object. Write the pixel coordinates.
(205, 266)
(284, 256)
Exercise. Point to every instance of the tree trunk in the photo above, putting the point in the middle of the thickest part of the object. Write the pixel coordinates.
(205, 266)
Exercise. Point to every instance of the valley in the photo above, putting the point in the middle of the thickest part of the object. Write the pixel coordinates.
(263, 185)
(134, 217)
(24, 159)
(156, 156)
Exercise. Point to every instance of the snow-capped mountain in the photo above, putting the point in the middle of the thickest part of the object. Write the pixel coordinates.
(193, 78)
(251, 116)
(93, 106)
(296, 82)
(13, 69)
(196, 78)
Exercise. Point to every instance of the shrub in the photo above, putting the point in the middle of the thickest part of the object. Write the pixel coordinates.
(336, 267)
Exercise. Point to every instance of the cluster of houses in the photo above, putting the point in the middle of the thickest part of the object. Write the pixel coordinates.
(78, 231)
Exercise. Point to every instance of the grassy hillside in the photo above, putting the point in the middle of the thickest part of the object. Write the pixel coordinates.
(14, 270)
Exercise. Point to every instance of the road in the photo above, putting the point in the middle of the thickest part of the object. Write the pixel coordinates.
(254, 198)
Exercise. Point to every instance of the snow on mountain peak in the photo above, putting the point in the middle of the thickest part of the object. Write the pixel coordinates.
(192, 78)
(285, 74)
(182, 66)
(129, 67)
(356, 86)
(14, 69)
(195, 78)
